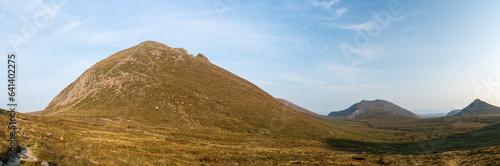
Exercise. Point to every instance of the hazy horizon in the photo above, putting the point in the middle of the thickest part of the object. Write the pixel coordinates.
(322, 55)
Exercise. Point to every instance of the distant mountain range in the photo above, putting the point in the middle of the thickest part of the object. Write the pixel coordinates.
(380, 107)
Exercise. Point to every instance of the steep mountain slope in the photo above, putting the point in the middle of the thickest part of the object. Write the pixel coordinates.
(453, 112)
(366, 105)
(158, 85)
(479, 107)
(296, 107)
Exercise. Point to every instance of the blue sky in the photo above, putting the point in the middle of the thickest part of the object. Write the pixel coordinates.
(426, 56)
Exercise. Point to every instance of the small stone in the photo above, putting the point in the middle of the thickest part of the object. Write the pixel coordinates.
(61, 138)
(44, 163)
(49, 135)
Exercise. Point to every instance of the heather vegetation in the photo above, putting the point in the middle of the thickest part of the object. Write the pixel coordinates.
(112, 141)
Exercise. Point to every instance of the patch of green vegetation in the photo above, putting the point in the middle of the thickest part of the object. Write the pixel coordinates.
(426, 136)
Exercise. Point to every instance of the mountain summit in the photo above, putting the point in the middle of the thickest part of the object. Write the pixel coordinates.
(160, 85)
(479, 107)
(380, 106)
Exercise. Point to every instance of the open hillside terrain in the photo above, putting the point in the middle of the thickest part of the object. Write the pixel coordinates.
(297, 108)
(156, 105)
(154, 84)
(101, 141)
(366, 105)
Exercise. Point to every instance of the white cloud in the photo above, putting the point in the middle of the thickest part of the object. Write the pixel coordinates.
(68, 27)
(325, 4)
(363, 26)
(333, 15)
(341, 11)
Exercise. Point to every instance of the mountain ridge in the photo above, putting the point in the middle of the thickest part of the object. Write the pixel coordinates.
(453, 112)
(297, 107)
(479, 107)
(366, 105)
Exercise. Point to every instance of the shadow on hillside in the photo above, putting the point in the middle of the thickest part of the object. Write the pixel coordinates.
(484, 137)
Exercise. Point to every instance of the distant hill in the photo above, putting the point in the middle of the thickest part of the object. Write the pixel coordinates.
(453, 112)
(479, 107)
(366, 105)
(34, 112)
(155, 84)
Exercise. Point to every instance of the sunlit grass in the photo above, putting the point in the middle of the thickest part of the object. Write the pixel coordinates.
(101, 141)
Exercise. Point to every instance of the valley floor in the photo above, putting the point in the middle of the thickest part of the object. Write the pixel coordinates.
(109, 141)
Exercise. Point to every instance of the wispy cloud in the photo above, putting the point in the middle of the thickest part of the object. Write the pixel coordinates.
(369, 25)
(325, 4)
(329, 6)
(82, 30)
(351, 88)
(341, 11)
(68, 27)
(331, 78)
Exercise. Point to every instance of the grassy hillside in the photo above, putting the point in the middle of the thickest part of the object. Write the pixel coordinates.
(296, 107)
(154, 84)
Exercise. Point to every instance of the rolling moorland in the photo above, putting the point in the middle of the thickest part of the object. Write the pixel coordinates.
(156, 105)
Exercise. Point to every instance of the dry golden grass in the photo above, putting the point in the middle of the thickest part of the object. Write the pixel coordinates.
(101, 141)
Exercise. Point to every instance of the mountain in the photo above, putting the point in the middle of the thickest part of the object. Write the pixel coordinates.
(154, 84)
(453, 112)
(478, 107)
(296, 107)
(376, 113)
(366, 105)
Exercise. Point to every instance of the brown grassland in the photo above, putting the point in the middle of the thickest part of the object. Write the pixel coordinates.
(108, 141)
